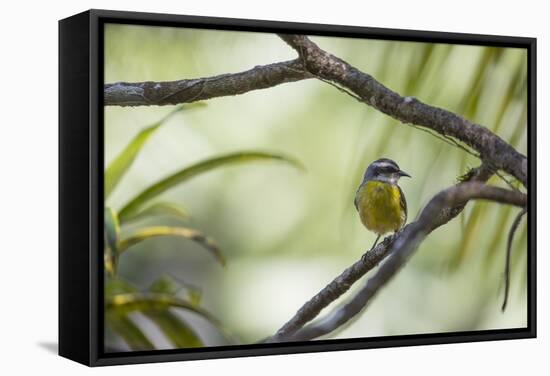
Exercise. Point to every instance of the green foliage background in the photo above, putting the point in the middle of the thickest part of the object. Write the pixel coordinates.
(284, 232)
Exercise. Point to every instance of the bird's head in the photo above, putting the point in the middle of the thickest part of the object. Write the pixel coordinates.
(385, 170)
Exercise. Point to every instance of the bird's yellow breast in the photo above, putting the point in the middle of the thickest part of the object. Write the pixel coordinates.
(379, 206)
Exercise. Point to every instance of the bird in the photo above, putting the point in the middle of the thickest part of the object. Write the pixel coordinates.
(379, 200)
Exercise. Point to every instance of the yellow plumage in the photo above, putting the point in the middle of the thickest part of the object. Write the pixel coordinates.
(381, 207)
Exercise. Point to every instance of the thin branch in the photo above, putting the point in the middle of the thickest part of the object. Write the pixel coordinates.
(343, 90)
(405, 244)
(334, 289)
(409, 110)
(185, 91)
(511, 234)
(507, 181)
(344, 281)
(447, 139)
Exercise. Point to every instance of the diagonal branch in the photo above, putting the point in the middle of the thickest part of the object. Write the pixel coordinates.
(492, 149)
(344, 281)
(334, 290)
(404, 245)
(184, 91)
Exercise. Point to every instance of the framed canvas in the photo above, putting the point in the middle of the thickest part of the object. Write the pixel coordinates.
(235, 187)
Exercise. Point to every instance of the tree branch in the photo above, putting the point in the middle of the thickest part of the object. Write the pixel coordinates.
(511, 234)
(404, 245)
(492, 149)
(334, 290)
(344, 281)
(314, 61)
(184, 91)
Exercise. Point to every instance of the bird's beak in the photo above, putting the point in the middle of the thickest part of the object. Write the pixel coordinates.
(403, 173)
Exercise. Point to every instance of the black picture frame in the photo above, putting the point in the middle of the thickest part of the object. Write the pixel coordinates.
(81, 182)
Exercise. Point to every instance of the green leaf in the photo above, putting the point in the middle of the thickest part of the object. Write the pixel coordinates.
(183, 232)
(161, 209)
(194, 296)
(174, 328)
(117, 285)
(112, 232)
(147, 301)
(112, 228)
(109, 260)
(118, 167)
(177, 331)
(167, 284)
(471, 232)
(187, 173)
(128, 331)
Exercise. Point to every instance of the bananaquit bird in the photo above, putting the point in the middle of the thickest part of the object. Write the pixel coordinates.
(379, 200)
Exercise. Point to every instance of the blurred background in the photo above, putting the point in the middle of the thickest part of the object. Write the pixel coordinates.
(285, 232)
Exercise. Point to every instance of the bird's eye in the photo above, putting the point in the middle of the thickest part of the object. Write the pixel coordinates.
(389, 169)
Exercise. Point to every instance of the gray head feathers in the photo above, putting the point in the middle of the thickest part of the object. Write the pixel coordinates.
(385, 170)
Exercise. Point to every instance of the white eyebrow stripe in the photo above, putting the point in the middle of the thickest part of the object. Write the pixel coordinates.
(385, 164)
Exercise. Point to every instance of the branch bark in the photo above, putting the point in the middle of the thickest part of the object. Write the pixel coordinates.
(333, 290)
(185, 91)
(438, 210)
(491, 148)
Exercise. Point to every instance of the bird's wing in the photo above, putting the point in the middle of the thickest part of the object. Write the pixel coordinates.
(357, 198)
(403, 203)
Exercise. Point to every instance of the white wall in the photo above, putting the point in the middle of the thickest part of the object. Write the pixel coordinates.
(28, 161)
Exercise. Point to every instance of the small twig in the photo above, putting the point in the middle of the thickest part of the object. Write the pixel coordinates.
(511, 234)
(343, 90)
(447, 139)
(507, 181)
